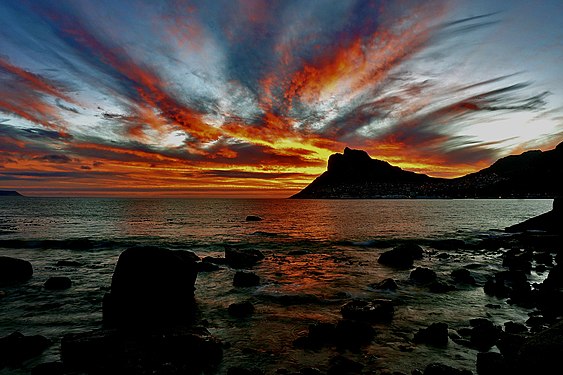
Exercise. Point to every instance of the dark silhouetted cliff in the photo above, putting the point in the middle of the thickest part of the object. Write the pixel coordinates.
(353, 174)
(9, 193)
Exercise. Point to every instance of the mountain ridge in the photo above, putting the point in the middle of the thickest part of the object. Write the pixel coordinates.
(354, 174)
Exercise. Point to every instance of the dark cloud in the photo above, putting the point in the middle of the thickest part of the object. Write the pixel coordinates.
(245, 174)
(54, 158)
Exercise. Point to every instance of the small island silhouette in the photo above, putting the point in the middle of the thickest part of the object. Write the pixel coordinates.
(9, 193)
(354, 174)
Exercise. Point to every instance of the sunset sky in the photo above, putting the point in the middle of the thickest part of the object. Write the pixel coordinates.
(250, 97)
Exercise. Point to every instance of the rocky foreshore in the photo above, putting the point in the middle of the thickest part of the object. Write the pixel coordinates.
(152, 323)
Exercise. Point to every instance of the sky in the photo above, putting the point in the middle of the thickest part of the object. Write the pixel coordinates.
(248, 98)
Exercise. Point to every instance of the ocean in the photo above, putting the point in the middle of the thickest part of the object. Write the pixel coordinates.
(319, 255)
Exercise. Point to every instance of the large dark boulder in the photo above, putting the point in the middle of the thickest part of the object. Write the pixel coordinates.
(423, 275)
(16, 348)
(542, 353)
(187, 351)
(238, 258)
(241, 309)
(14, 270)
(57, 283)
(151, 286)
(402, 256)
(484, 334)
(436, 335)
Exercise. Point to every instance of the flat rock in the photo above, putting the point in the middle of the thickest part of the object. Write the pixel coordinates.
(57, 283)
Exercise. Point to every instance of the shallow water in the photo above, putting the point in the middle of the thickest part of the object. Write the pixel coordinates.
(339, 243)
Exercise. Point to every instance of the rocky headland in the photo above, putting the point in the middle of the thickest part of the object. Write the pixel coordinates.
(354, 174)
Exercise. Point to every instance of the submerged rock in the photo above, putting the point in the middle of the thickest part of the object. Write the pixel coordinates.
(463, 276)
(151, 286)
(188, 351)
(57, 283)
(241, 309)
(14, 270)
(253, 218)
(238, 258)
(436, 334)
(375, 310)
(16, 348)
(386, 284)
(245, 279)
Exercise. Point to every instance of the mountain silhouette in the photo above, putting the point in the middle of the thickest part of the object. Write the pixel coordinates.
(354, 174)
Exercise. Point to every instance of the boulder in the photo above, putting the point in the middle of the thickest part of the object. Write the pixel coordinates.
(241, 309)
(542, 352)
(386, 284)
(423, 275)
(238, 258)
(440, 287)
(207, 267)
(491, 363)
(436, 335)
(57, 283)
(463, 276)
(253, 218)
(151, 286)
(245, 279)
(514, 327)
(373, 311)
(14, 270)
(179, 350)
(402, 256)
(484, 334)
(16, 348)
(48, 368)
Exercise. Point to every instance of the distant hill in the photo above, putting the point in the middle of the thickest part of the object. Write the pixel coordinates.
(353, 174)
(9, 193)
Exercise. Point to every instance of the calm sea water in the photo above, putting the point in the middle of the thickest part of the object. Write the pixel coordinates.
(339, 242)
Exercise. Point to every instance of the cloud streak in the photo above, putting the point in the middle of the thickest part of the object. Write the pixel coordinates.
(203, 95)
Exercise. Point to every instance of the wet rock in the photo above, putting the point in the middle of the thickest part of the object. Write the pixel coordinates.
(341, 365)
(16, 348)
(509, 345)
(402, 256)
(253, 218)
(48, 368)
(518, 260)
(238, 258)
(322, 334)
(440, 287)
(57, 283)
(423, 275)
(491, 364)
(375, 310)
(14, 270)
(514, 327)
(386, 284)
(484, 333)
(241, 309)
(244, 371)
(436, 334)
(441, 369)
(178, 350)
(2, 294)
(463, 276)
(207, 267)
(551, 222)
(245, 279)
(352, 333)
(68, 263)
(151, 286)
(448, 244)
(544, 258)
(542, 352)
